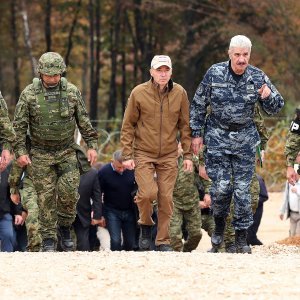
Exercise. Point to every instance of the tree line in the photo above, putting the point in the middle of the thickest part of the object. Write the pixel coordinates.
(108, 45)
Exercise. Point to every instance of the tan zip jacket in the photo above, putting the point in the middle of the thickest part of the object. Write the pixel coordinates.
(152, 121)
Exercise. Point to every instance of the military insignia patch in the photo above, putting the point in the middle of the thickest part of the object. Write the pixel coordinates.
(295, 126)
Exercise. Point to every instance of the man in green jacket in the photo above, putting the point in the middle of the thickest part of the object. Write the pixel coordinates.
(51, 108)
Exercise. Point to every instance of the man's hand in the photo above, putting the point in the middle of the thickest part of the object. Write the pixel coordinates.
(23, 161)
(202, 172)
(207, 200)
(129, 164)
(5, 159)
(95, 222)
(19, 220)
(188, 166)
(15, 198)
(281, 216)
(264, 91)
(291, 175)
(102, 222)
(92, 156)
(197, 143)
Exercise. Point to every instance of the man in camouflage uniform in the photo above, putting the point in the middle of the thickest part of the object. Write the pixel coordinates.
(231, 89)
(50, 108)
(186, 207)
(292, 147)
(7, 134)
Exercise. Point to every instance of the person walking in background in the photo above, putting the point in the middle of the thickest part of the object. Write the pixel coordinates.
(155, 112)
(252, 238)
(7, 135)
(89, 208)
(231, 89)
(117, 186)
(291, 204)
(186, 208)
(292, 148)
(51, 108)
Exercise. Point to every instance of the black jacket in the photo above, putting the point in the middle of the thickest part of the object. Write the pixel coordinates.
(89, 189)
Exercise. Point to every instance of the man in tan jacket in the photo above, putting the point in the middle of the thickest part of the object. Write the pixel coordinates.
(155, 112)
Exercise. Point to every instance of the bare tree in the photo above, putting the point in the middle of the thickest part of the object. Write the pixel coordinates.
(27, 37)
(14, 36)
(71, 33)
(115, 30)
(95, 48)
(48, 10)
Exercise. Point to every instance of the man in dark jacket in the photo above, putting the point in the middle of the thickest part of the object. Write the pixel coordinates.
(7, 210)
(89, 208)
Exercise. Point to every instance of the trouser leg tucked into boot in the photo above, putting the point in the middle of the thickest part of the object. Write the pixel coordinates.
(241, 242)
(217, 237)
(48, 245)
(65, 239)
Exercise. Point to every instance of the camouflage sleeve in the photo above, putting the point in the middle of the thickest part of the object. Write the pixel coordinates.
(7, 132)
(261, 128)
(83, 121)
(14, 178)
(20, 123)
(199, 104)
(184, 128)
(292, 148)
(274, 103)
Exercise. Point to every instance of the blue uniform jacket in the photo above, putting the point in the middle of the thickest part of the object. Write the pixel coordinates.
(230, 126)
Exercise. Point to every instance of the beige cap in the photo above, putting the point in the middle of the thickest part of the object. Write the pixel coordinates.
(161, 60)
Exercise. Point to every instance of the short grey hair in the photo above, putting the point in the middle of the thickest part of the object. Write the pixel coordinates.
(117, 155)
(240, 41)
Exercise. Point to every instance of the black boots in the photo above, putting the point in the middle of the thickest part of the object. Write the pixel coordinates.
(48, 245)
(64, 239)
(145, 239)
(217, 237)
(241, 242)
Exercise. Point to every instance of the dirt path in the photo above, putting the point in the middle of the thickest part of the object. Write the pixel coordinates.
(271, 272)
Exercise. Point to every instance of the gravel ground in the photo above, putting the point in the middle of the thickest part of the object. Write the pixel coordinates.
(271, 272)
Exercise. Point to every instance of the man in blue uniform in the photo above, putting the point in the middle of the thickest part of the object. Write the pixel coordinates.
(231, 89)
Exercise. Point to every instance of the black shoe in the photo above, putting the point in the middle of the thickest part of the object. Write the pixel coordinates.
(145, 238)
(230, 248)
(217, 237)
(213, 250)
(48, 245)
(164, 248)
(64, 238)
(241, 242)
(254, 242)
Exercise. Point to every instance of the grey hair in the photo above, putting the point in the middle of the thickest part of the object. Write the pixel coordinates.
(117, 155)
(240, 41)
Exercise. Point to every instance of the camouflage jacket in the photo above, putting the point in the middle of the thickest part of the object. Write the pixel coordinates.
(185, 194)
(232, 106)
(7, 132)
(292, 146)
(26, 116)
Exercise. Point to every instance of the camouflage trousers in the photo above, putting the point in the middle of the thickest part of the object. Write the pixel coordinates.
(208, 223)
(229, 233)
(29, 202)
(192, 219)
(56, 180)
(231, 175)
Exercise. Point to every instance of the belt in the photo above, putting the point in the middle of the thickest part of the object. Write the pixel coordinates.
(231, 126)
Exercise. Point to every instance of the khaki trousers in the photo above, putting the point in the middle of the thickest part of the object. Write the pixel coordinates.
(159, 188)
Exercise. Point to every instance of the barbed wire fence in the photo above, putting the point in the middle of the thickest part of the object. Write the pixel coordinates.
(273, 170)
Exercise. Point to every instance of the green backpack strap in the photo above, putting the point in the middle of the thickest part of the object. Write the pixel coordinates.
(37, 85)
(64, 104)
